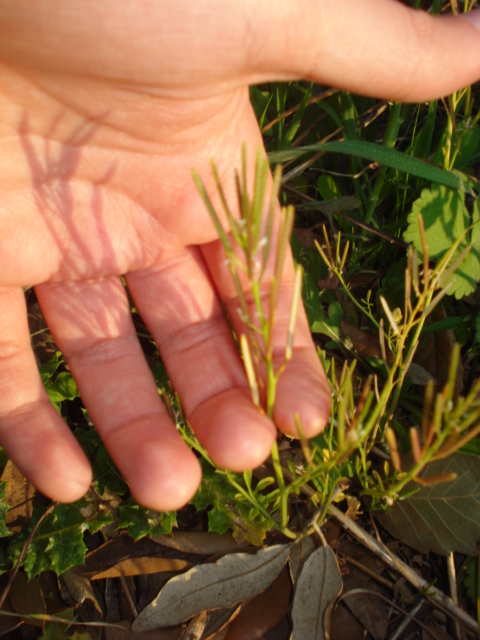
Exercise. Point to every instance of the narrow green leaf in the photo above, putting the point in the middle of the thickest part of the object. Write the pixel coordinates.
(389, 157)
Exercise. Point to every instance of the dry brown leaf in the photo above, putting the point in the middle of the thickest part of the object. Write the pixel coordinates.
(121, 548)
(263, 612)
(142, 566)
(205, 543)
(319, 585)
(127, 634)
(363, 343)
(233, 578)
(434, 631)
(344, 625)
(26, 597)
(196, 627)
(354, 508)
(370, 611)
(435, 351)
(19, 496)
(80, 588)
(218, 622)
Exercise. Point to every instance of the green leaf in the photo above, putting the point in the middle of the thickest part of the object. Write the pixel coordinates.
(63, 388)
(444, 517)
(384, 155)
(47, 369)
(4, 530)
(107, 473)
(328, 188)
(229, 510)
(141, 522)
(66, 386)
(58, 542)
(329, 325)
(446, 219)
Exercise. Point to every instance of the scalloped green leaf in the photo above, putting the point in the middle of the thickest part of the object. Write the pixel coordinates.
(228, 510)
(446, 218)
(140, 522)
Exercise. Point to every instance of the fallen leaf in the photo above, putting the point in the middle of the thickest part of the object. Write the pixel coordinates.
(319, 585)
(218, 622)
(80, 588)
(444, 517)
(363, 343)
(370, 611)
(205, 543)
(344, 625)
(434, 631)
(112, 633)
(233, 578)
(123, 547)
(26, 597)
(263, 612)
(196, 627)
(19, 497)
(141, 567)
(299, 554)
(435, 352)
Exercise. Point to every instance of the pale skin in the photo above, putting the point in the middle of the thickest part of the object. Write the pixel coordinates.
(105, 109)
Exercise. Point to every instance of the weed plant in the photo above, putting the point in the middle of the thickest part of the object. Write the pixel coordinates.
(387, 231)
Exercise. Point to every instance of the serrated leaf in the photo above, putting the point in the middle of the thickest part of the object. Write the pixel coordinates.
(228, 510)
(444, 517)
(446, 219)
(58, 543)
(320, 583)
(232, 579)
(141, 522)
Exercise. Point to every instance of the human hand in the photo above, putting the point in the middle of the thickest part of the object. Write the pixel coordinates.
(106, 107)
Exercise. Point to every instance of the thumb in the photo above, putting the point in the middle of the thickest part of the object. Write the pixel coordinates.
(379, 48)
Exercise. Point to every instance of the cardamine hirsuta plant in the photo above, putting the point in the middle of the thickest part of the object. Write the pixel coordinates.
(361, 422)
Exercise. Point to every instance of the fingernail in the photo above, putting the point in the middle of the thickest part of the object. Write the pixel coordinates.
(473, 17)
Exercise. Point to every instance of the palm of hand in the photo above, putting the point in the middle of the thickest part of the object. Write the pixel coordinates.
(99, 198)
(106, 108)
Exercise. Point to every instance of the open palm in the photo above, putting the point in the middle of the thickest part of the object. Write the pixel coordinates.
(106, 108)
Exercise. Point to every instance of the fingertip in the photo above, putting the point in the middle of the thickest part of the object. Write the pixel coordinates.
(302, 390)
(167, 488)
(236, 435)
(162, 472)
(65, 475)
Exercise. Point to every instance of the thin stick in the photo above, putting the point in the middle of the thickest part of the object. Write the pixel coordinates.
(452, 583)
(436, 597)
(24, 551)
